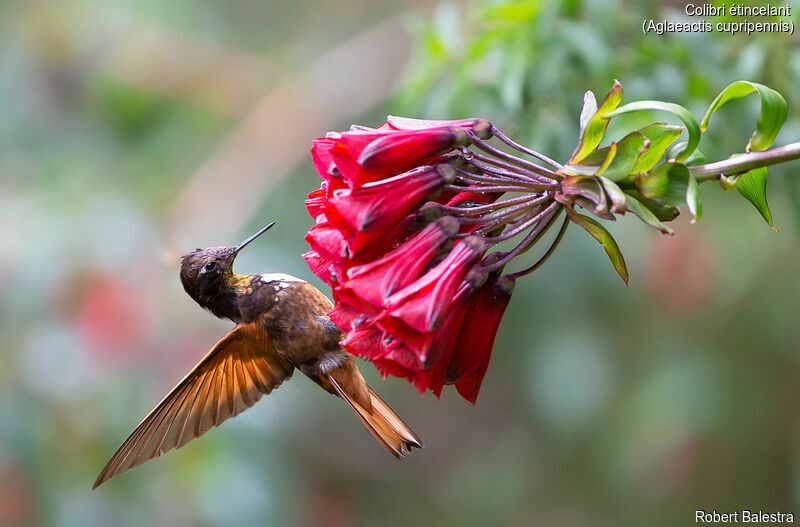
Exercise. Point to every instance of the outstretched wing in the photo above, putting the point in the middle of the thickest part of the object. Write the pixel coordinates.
(230, 378)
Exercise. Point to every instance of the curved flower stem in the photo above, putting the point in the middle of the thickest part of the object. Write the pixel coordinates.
(487, 164)
(486, 147)
(523, 223)
(513, 144)
(547, 254)
(548, 216)
(505, 213)
(468, 176)
(483, 208)
(479, 190)
(486, 177)
(745, 162)
(509, 215)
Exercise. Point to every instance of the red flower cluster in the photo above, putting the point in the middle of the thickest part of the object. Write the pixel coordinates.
(405, 217)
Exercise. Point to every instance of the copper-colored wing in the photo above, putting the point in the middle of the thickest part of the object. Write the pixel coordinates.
(230, 378)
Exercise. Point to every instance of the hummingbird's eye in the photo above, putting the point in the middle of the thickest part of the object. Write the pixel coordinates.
(210, 266)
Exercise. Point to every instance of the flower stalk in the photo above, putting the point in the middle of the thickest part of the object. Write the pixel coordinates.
(746, 162)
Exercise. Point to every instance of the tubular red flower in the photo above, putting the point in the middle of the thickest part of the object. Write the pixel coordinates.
(402, 150)
(442, 348)
(481, 127)
(319, 266)
(425, 363)
(476, 336)
(392, 201)
(317, 199)
(375, 208)
(326, 239)
(342, 314)
(322, 157)
(401, 360)
(365, 340)
(422, 304)
(362, 155)
(369, 285)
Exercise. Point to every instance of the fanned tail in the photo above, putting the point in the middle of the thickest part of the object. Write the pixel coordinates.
(387, 427)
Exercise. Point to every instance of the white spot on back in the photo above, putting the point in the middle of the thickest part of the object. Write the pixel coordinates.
(280, 277)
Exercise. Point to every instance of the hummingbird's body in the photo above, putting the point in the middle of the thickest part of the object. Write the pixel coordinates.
(281, 324)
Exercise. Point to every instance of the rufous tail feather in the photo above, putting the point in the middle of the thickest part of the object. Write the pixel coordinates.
(382, 422)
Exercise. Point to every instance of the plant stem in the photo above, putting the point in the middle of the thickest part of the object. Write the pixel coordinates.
(523, 223)
(502, 213)
(488, 164)
(547, 254)
(509, 215)
(502, 178)
(548, 218)
(480, 190)
(745, 162)
(489, 149)
(489, 207)
(513, 144)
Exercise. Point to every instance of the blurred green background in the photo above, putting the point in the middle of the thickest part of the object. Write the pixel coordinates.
(131, 133)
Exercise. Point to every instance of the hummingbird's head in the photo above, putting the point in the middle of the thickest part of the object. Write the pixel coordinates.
(206, 274)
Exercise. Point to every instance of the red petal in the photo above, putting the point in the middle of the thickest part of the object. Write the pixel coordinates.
(441, 349)
(343, 315)
(376, 207)
(474, 348)
(407, 123)
(319, 266)
(374, 282)
(423, 304)
(400, 151)
(326, 240)
(426, 368)
(321, 155)
(317, 199)
(365, 341)
(351, 171)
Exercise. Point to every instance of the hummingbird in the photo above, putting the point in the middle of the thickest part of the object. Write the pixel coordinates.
(281, 324)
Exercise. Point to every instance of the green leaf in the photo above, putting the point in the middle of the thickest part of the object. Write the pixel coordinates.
(693, 197)
(773, 112)
(654, 184)
(662, 211)
(629, 148)
(672, 184)
(753, 186)
(729, 182)
(594, 164)
(685, 115)
(589, 188)
(635, 206)
(588, 111)
(604, 237)
(660, 135)
(615, 194)
(696, 158)
(595, 127)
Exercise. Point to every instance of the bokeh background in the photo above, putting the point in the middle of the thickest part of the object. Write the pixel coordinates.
(133, 132)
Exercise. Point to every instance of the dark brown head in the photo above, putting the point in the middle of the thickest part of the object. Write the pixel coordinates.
(207, 276)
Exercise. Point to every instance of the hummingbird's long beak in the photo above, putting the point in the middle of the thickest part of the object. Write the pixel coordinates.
(250, 239)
